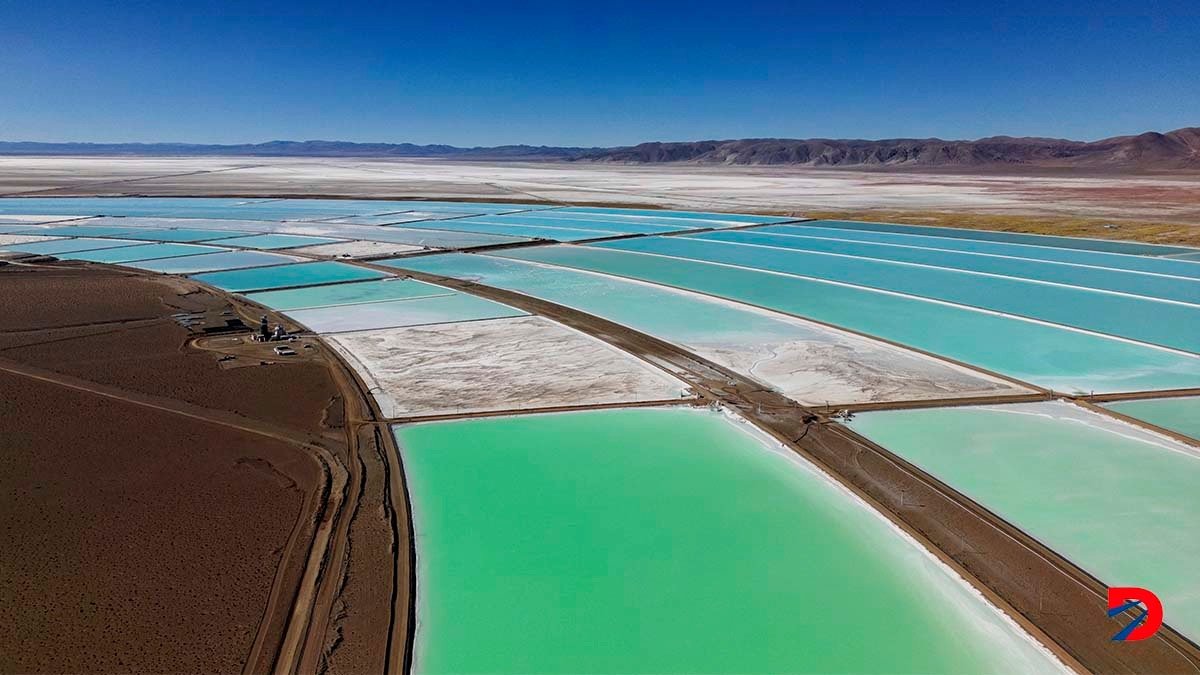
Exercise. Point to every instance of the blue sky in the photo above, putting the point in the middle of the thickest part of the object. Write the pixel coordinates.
(593, 73)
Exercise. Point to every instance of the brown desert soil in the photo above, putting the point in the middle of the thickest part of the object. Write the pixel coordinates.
(164, 512)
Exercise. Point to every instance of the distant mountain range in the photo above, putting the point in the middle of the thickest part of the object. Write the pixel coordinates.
(1177, 150)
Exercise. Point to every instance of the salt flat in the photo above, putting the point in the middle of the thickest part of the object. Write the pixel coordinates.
(499, 364)
(726, 188)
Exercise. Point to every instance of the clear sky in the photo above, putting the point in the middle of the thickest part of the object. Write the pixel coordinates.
(593, 73)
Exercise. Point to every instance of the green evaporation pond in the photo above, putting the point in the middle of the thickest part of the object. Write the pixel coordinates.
(669, 541)
(282, 276)
(1180, 289)
(1120, 502)
(1181, 415)
(347, 294)
(1067, 255)
(1168, 324)
(1049, 356)
(144, 252)
(397, 313)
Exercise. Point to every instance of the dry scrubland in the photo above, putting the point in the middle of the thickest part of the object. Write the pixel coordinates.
(1160, 208)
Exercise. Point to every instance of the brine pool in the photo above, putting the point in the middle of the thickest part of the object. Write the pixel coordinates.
(1119, 501)
(670, 540)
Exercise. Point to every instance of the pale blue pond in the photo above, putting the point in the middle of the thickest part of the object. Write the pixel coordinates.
(393, 288)
(738, 218)
(416, 236)
(1129, 247)
(71, 245)
(207, 207)
(1168, 266)
(144, 252)
(274, 241)
(183, 234)
(1180, 414)
(115, 232)
(226, 260)
(1046, 355)
(610, 225)
(303, 274)
(494, 225)
(1137, 283)
(396, 313)
(1163, 323)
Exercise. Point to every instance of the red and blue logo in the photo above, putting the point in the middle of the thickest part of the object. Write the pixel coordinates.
(1146, 607)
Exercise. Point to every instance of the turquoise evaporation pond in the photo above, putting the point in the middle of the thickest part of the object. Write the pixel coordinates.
(208, 262)
(493, 225)
(301, 274)
(1148, 264)
(1181, 414)
(144, 252)
(95, 231)
(740, 218)
(1049, 356)
(311, 209)
(1167, 324)
(1128, 247)
(1120, 502)
(670, 540)
(423, 311)
(419, 236)
(273, 241)
(71, 245)
(1181, 289)
(682, 318)
(608, 224)
(393, 288)
(186, 207)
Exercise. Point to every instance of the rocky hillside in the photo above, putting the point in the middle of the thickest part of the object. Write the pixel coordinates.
(1174, 150)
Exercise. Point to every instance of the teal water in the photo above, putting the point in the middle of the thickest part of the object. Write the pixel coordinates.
(347, 294)
(422, 311)
(209, 262)
(1049, 356)
(1181, 289)
(669, 541)
(1167, 324)
(183, 234)
(614, 224)
(1119, 502)
(739, 218)
(94, 231)
(1188, 256)
(684, 319)
(493, 225)
(1046, 252)
(144, 252)
(273, 241)
(1131, 248)
(71, 245)
(1177, 414)
(301, 274)
(416, 236)
(124, 206)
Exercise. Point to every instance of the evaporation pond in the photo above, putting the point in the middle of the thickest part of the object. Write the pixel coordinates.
(225, 260)
(143, 252)
(1119, 501)
(271, 241)
(396, 313)
(303, 274)
(1181, 414)
(72, 245)
(347, 294)
(669, 540)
